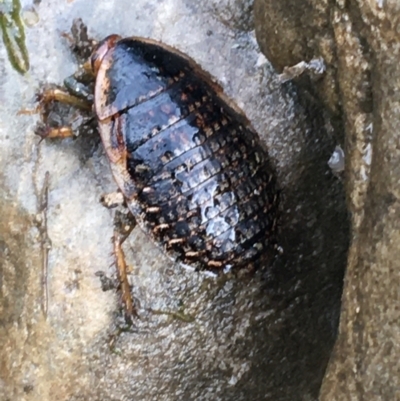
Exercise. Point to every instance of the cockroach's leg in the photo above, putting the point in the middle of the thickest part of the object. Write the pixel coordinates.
(46, 132)
(56, 94)
(63, 96)
(127, 300)
(124, 224)
(80, 85)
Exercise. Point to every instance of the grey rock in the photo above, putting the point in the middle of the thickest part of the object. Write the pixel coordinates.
(359, 43)
(262, 337)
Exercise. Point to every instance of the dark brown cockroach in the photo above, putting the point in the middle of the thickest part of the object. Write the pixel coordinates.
(191, 168)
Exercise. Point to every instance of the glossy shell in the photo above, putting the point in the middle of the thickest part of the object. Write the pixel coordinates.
(193, 170)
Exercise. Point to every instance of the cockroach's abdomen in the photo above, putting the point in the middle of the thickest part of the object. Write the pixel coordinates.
(195, 173)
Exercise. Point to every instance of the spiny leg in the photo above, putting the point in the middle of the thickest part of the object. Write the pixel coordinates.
(63, 96)
(77, 93)
(62, 114)
(124, 223)
(127, 300)
(57, 105)
(59, 94)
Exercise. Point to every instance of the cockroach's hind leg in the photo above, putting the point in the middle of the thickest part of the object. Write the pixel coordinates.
(123, 226)
(124, 223)
(127, 300)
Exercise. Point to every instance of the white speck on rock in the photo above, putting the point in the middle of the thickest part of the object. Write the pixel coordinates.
(337, 160)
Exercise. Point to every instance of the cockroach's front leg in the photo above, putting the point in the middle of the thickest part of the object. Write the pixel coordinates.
(64, 110)
(76, 114)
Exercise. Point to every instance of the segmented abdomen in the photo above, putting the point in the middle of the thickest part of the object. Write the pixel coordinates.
(202, 178)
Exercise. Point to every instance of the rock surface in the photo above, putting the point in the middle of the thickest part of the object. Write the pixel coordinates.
(264, 337)
(360, 44)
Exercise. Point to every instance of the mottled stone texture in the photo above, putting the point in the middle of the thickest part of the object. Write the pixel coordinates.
(267, 337)
(360, 43)
(292, 31)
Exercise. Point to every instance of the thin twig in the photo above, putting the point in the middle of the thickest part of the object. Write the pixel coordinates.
(45, 242)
